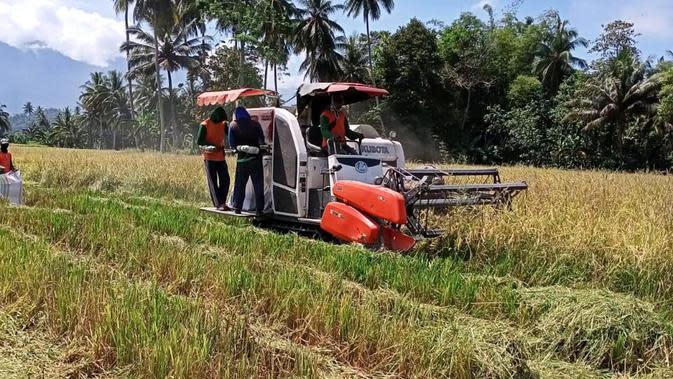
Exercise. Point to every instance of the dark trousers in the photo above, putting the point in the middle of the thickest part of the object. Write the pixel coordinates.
(254, 170)
(218, 181)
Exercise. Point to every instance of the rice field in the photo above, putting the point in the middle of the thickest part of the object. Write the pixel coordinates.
(110, 270)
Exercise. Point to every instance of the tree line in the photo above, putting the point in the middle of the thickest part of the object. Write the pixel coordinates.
(511, 90)
(505, 90)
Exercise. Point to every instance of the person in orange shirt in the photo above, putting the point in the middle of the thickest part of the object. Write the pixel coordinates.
(211, 137)
(335, 129)
(6, 164)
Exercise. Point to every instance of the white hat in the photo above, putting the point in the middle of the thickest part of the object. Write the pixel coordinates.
(4, 141)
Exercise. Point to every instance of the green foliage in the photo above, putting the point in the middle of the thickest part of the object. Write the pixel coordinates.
(4, 120)
(554, 57)
(407, 64)
(317, 36)
(523, 90)
(665, 110)
(225, 70)
(618, 38)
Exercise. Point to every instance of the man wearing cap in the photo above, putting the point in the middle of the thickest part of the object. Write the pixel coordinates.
(211, 137)
(6, 164)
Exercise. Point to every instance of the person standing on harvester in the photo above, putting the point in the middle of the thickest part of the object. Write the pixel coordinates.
(246, 136)
(211, 137)
(6, 164)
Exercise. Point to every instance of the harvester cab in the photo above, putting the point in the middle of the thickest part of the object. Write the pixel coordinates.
(368, 197)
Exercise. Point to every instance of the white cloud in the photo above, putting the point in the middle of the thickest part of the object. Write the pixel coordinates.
(81, 35)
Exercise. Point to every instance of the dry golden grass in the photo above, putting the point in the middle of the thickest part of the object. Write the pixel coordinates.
(573, 282)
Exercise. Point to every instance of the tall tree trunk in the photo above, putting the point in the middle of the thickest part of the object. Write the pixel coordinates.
(369, 49)
(371, 71)
(114, 138)
(100, 133)
(128, 63)
(620, 137)
(467, 108)
(171, 104)
(241, 64)
(275, 77)
(162, 127)
(266, 73)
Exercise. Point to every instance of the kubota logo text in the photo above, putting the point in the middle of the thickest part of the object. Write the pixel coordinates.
(375, 149)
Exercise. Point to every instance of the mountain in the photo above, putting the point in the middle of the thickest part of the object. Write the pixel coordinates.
(44, 77)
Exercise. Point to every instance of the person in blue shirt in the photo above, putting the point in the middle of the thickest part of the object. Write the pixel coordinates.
(246, 137)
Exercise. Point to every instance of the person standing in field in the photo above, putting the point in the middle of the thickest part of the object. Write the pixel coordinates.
(211, 137)
(246, 136)
(6, 163)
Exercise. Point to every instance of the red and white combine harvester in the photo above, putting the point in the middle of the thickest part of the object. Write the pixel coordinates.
(370, 198)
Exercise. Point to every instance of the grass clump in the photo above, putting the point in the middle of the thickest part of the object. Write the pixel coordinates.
(597, 327)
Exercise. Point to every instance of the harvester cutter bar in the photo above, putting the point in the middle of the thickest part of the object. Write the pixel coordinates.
(479, 187)
(420, 172)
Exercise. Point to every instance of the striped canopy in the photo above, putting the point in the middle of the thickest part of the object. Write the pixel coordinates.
(224, 97)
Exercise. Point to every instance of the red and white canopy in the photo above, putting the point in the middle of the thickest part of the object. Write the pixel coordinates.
(224, 97)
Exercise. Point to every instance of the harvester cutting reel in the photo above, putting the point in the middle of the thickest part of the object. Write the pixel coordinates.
(427, 189)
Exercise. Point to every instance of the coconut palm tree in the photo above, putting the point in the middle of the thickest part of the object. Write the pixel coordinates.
(66, 131)
(119, 7)
(93, 99)
(277, 31)
(28, 109)
(39, 128)
(176, 51)
(613, 100)
(116, 104)
(370, 9)
(4, 120)
(554, 58)
(354, 63)
(160, 15)
(316, 37)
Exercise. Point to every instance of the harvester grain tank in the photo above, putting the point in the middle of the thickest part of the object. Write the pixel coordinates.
(371, 197)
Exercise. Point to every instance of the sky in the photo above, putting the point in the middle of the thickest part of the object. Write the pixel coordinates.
(48, 47)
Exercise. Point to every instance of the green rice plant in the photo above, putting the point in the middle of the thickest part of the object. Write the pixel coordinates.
(124, 323)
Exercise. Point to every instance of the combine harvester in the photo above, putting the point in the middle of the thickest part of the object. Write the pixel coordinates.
(371, 198)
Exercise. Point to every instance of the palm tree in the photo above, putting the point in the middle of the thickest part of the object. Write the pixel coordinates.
(93, 99)
(66, 131)
(615, 99)
(28, 109)
(38, 130)
(277, 32)
(123, 6)
(4, 120)
(370, 9)
(554, 58)
(176, 51)
(159, 14)
(316, 37)
(354, 63)
(116, 104)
